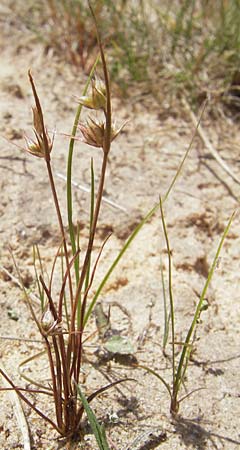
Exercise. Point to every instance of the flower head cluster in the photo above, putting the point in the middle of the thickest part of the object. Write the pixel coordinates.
(97, 100)
(49, 326)
(94, 132)
(42, 146)
(97, 132)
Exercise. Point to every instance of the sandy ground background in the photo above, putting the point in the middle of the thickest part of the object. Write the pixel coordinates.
(142, 164)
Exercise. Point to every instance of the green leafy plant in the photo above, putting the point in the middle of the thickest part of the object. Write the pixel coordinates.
(179, 366)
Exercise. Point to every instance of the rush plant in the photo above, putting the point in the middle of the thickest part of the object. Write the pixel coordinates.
(61, 322)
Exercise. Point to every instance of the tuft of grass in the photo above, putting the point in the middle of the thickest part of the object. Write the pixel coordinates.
(192, 45)
(204, 44)
(179, 367)
(62, 319)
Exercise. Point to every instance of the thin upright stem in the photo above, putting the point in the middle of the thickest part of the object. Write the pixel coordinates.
(93, 230)
(78, 338)
(170, 294)
(60, 221)
(69, 175)
(106, 149)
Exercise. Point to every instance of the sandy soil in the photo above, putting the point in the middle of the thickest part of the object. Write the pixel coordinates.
(142, 164)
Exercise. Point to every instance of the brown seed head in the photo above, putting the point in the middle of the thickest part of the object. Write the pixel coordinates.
(37, 148)
(43, 145)
(97, 100)
(49, 325)
(94, 132)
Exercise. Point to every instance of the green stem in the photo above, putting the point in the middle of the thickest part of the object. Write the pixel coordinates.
(178, 380)
(170, 291)
(69, 174)
(91, 237)
(59, 216)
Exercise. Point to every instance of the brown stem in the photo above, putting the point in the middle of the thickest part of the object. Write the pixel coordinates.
(51, 304)
(76, 363)
(62, 367)
(78, 338)
(174, 406)
(55, 198)
(56, 390)
(79, 348)
(92, 234)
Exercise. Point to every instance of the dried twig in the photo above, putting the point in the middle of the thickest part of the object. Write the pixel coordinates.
(88, 190)
(208, 144)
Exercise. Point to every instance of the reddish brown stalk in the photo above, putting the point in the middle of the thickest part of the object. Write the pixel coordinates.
(51, 304)
(30, 390)
(55, 198)
(62, 367)
(66, 276)
(56, 390)
(41, 135)
(91, 237)
(53, 266)
(74, 369)
(75, 342)
(80, 336)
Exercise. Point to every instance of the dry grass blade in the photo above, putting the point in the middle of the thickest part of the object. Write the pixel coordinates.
(18, 410)
(88, 190)
(208, 144)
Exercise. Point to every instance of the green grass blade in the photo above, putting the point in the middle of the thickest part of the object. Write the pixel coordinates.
(91, 219)
(69, 174)
(116, 261)
(184, 353)
(36, 254)
(90, 231)
(166, 315)
(97, 429)
(172, 315)
(149, 370)
(140, 225)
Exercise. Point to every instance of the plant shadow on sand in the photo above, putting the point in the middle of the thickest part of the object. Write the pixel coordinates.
(193, 433)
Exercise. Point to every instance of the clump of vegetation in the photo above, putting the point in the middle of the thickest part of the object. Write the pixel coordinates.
(179, 365)
(191, 44)
(62, 322)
